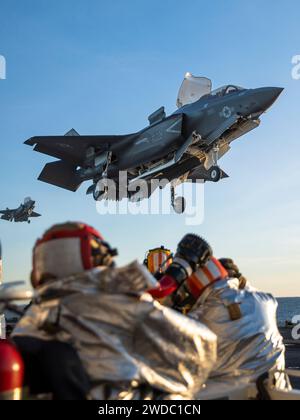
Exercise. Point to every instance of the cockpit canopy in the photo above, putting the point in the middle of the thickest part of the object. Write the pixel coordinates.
(193, 88)
(226, 90)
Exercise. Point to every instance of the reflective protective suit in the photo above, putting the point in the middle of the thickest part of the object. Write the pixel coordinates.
(248, 346)
(129, 344)
(2, 327)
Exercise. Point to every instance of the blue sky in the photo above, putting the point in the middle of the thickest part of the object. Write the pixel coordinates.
(103, 67)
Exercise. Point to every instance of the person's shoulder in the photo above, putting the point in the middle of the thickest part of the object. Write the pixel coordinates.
(131, 278)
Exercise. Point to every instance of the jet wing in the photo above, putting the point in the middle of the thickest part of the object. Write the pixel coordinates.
(72, 148)
(34, 214)
(7, 214)
(7, 211)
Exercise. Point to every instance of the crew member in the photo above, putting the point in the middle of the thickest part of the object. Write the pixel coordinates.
(157, 261)
(93, 331)
(243, 319)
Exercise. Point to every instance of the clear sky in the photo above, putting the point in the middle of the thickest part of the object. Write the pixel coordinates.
(102, 67)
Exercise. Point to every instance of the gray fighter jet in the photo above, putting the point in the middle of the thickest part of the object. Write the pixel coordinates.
(184, 146)
(22, 214)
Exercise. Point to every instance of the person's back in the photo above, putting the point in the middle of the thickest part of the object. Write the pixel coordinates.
(128, 345)
(244, 320)
(122, 336)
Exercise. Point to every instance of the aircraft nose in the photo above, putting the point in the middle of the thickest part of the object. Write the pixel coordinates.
(267, 96)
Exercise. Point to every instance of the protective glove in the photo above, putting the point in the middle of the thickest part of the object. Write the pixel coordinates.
(230, 267)
(233, 271)
(192, 252)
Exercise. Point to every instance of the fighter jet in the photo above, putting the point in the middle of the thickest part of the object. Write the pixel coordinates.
(185, 146)
(22, 214)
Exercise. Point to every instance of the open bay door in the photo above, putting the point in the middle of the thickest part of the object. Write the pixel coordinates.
(192, 89)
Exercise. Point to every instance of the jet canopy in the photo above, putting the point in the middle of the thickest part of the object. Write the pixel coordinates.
(192, 89)
(226, 90)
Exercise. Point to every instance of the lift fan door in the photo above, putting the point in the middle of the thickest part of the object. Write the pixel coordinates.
(192, 89)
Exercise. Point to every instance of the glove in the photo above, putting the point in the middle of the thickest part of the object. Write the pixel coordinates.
(192, 252)
(103, 254)
(195, 250)
(234, 271)
(231, 267)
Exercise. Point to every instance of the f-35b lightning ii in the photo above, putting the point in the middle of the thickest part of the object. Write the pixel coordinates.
(186, 145)
(22, 214)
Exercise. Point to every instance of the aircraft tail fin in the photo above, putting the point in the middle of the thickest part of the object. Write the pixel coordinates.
(72, 133)
(61, 174)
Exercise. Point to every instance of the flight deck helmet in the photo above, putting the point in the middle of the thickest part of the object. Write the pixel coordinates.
(68, 249)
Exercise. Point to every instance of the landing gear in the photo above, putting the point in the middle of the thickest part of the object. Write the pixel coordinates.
(108, 162)
(178, 203)
(29, 222)
(99, 194)
(96, 194)
(215, 173)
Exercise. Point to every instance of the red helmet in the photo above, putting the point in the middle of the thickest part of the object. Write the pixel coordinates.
(11, 372)
(69, 249)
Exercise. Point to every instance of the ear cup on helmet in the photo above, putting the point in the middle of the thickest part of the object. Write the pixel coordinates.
(102, 253)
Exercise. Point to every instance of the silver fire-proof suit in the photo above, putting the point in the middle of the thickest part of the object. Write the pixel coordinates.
(126, 341)
(248, 347)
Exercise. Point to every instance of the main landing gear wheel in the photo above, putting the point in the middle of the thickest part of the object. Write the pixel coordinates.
(215, 174)
(178, 203)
